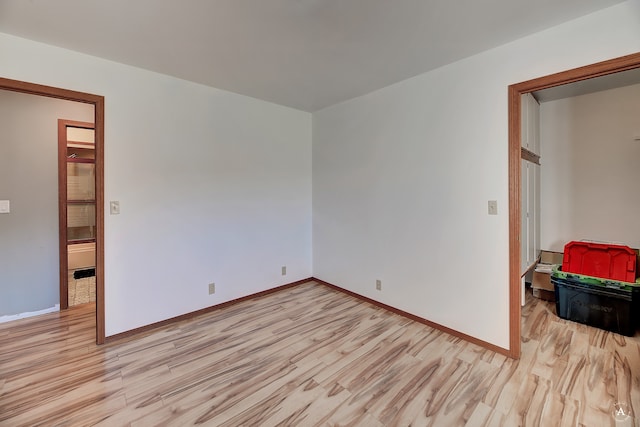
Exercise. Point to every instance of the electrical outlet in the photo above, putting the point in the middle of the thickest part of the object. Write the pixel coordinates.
(212, 288)
(379, 285)
(284, 270)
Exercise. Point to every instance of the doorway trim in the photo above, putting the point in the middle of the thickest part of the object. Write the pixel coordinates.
(611, 66)
(98, 102)
(63, 124)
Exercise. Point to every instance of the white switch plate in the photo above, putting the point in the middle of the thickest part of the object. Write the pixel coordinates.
(5, 206)
(114, 208)
(493, 207)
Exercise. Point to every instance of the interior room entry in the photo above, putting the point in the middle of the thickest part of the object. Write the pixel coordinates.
(97, 101)
(77, 212)
(605, 68)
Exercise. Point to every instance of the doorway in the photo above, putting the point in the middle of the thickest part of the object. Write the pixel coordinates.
(76, 212)
(516, 91)
(98, 104)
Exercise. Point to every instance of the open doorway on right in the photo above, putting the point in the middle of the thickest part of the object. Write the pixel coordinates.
(589, 147)
(590, 161)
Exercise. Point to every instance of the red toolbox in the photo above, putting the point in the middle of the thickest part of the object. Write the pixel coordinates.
(616, 262)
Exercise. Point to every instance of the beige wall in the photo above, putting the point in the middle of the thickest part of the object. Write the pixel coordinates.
(591, 168)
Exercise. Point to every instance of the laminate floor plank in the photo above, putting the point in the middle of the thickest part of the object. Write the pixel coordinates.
(310, 356)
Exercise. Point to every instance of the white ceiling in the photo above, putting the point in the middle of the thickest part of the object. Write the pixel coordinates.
(306, 54)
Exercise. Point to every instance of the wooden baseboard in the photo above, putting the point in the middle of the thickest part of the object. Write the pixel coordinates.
(418, 319)
(134, 332)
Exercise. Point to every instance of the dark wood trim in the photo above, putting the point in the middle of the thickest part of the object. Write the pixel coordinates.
(137, 331)
(81, 125)
(418, 319)
(62, 214)
(514, 224)
(611, 66)
(529, 156)
(81, 202)
(79, 241)
(99, 175)
(49, 91)
(147, 328)
(88, 145)
(79, 160)
(98, 103)
(63, 124)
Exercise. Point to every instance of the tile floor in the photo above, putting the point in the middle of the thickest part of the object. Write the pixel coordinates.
(81, 291)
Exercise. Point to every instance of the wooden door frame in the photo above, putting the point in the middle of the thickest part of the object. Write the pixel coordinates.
(611, 66)
(98, 102)
(63, 124)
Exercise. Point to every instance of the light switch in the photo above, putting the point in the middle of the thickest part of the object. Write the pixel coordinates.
(114, 208)
(5, 206)
(493, 207)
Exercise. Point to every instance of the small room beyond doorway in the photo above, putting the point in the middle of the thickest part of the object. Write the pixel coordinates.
(77, 195)
(29, 248)
(589, 143)
(581, 181)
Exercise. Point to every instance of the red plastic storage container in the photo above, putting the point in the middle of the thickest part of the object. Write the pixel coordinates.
(616, 262)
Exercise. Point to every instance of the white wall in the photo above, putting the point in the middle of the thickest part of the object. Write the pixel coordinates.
(216, 186)
(29, 258)
(213, 186)
(402, 176)
(590, 168)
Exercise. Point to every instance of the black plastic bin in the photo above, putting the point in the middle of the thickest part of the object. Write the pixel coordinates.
(609, 308)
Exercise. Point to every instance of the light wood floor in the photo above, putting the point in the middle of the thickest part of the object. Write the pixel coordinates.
(310, 356)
